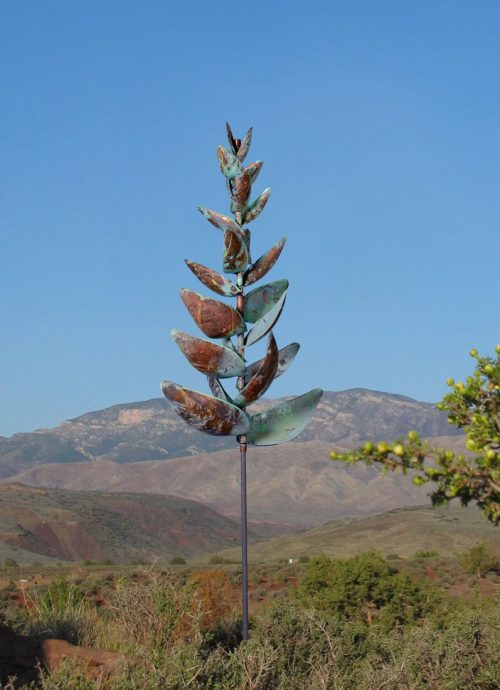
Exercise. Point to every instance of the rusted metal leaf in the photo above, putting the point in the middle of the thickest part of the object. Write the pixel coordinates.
(285, 357)
(230, 165)
(254, 209)
(245, 145)
(236, 255)
(213, 280)
(217, 389)
(222, 222)
(239, 190)
(254, 169)
(261, 300)
(208, 357)
(264, 264)
(216, 319)
(204, 412)
(266, 323)
(232, 141)
(263, 377)
(283, 422)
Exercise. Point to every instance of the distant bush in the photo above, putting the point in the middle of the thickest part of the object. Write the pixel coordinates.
(10, 564)
(364, 589)
(426, 554)
(303, 559)
(177, 560)
(480, 559)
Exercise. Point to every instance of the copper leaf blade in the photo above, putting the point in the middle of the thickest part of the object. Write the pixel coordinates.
(213, 280)
(204, 412)
(255, 208)
(230, 165)
(245, 145)
(286, 357)
(222, 222)
(207, 357)
(264, 264)
(261, 300)
(236, 256)
(266, 323)
(263, 377)
(216, 319)
(285, 421)
(253, 169)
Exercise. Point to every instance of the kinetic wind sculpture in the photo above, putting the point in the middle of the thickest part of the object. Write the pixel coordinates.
(221, 414)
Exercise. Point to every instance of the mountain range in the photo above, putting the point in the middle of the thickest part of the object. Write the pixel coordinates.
(145, 447)
(150, 430)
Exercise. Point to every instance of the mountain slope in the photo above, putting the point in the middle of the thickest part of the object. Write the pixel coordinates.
(69, 525)
(295, 484)
(149, 430)
(403, 532)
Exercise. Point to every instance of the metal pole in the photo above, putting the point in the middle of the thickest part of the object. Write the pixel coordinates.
(240, 306)
(244, 563)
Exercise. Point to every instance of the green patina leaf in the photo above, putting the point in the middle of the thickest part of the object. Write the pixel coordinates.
(261, 300)
(283, 422)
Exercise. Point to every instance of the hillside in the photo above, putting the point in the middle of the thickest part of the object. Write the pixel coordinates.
(445, 530)
(290, 486)
(149, 430)
(73, 526)
(295, 484)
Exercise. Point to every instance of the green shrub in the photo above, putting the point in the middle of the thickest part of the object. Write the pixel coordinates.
(364, 589)
(11, 564)
(177, 560)
(425, 554)
(59, 611)
(480, 559)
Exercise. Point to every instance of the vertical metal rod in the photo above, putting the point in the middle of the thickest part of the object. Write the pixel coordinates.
(244, 535)
(240, 306)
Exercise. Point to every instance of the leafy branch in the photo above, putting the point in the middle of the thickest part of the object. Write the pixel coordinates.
(472, 476)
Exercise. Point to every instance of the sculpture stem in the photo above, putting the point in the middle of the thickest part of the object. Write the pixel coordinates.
(244, 562)
(240, 306)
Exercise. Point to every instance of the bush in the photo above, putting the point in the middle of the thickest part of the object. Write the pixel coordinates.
(425, 554)
(177, 560)
(480, 559)
(59, 611)
(11, 564)
(364, 589)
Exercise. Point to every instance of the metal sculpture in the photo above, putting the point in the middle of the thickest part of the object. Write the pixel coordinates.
(220, 414)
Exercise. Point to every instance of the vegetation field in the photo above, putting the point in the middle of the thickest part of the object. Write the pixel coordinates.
(427, 620)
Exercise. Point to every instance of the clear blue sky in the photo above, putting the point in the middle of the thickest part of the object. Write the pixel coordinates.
(379, 126)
